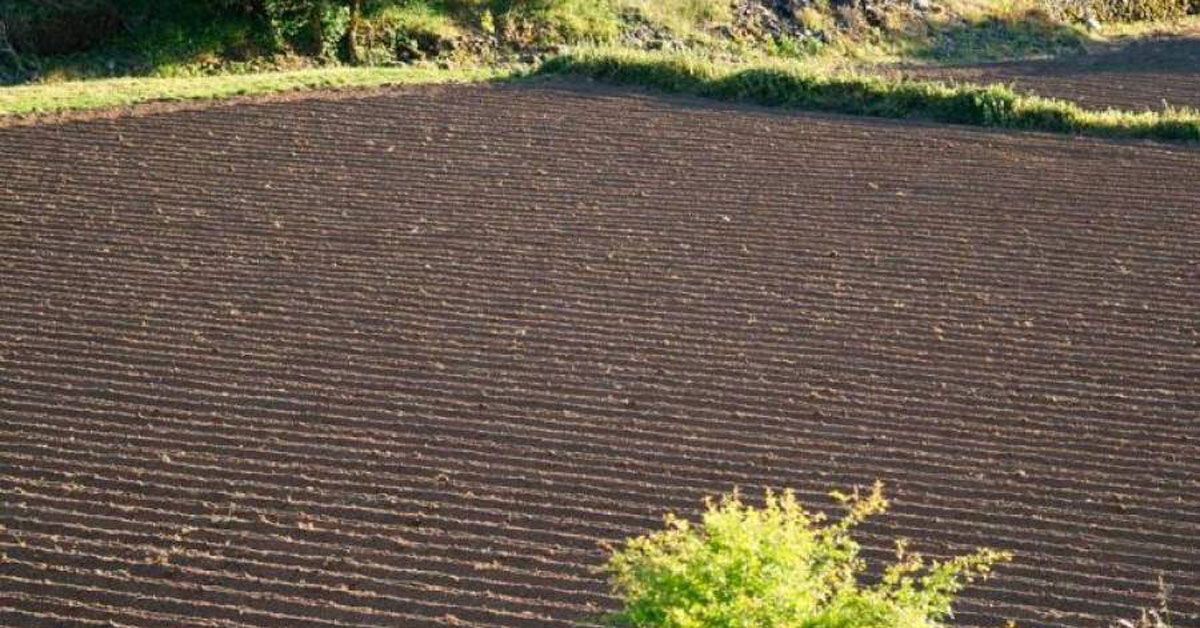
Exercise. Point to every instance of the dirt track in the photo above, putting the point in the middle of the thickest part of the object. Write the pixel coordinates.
(408, 359)
(1136, 77)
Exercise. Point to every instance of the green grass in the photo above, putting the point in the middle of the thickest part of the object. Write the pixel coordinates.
(549, 22)
(418, 16)
(682, 17)
(119, 92)
(791, 85)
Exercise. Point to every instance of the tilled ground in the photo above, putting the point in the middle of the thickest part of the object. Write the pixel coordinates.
(408, 358)
(1147, 75)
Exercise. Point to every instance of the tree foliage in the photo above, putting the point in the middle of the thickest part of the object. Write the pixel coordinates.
(317, 27)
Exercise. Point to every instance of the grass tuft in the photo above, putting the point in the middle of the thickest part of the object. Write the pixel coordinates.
(787, 85)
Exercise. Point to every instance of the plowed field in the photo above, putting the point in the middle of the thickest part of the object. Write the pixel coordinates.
(1147, 75)
(408, 358)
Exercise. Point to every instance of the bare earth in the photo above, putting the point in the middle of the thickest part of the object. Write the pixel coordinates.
(408, 359)
(1144, 75)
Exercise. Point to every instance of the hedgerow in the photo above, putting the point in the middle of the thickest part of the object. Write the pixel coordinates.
(787, 85)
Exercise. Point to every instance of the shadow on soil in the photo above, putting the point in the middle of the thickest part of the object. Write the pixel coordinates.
(1165, 56)
(567, 86)
(1137, 76)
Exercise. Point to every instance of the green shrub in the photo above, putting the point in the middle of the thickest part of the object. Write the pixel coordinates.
(311, 26)
(778, 566)
(406, 30)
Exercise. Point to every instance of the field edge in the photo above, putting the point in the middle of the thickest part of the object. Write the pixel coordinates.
(32, 101)
(775, 84)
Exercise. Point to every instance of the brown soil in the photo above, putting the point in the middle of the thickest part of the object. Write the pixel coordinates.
(1139, 76)
(407, 359)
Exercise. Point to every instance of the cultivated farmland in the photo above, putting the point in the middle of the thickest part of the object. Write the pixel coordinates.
(407, 358)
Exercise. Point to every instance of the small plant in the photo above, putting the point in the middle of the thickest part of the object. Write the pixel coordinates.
(1150, 618)
(1153, 617)
(794, 47)
(781, 565)
(487, 22)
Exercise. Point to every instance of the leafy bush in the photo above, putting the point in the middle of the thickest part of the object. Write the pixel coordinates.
(781, 565)
(313, 26)
(406, 30)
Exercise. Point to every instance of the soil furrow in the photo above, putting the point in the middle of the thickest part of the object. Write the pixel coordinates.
(409, 357)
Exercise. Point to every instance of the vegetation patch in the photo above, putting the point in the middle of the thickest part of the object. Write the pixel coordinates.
(771, 82)
(682, 16)
(822, 55)
(1016, 32)
(86, 39)
(1125, 10)
(69, 39)
(787, 85)
(781, 565)
(405, 32)
(109, 93)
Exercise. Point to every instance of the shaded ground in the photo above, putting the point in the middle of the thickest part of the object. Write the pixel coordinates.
(408, 359)
(1137, 77)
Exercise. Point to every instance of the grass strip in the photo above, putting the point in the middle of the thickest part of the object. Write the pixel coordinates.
(781, 84)
(119, 92)
(773, 83)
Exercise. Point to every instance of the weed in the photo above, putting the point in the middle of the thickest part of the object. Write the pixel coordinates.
(1159, 617)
